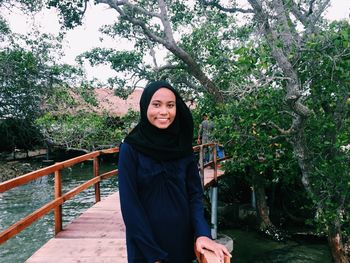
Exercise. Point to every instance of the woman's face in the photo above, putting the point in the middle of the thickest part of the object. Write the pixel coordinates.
(161, 110)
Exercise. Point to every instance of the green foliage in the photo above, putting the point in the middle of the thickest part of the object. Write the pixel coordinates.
(20, 85)
(119, 60)
(24, 5)
(4, 28)
(180, 14)
(248, 129)
(82, 131)
(70, 120)
(18, 133)
(128, 63)
(87, 93)
(71, 11)
(325, 66)
(28, 75)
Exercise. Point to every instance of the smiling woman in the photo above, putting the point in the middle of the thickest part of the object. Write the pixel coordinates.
(159, 184)
(162, 109)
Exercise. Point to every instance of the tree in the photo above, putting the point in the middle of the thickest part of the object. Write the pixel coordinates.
(328, 99)
(152, 24)
(28, 73)
(277, 22)
(260, 154)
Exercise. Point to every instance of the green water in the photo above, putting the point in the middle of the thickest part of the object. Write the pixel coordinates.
(250, 247)
(17, 203)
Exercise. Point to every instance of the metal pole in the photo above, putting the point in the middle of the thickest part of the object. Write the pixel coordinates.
(214, 211)
(214, 198)
(253, 198)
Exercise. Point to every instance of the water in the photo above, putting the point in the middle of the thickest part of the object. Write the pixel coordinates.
(250, 247)
(15, 204)
(19, 202)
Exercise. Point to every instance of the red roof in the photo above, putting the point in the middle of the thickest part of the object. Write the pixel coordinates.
(114, 105)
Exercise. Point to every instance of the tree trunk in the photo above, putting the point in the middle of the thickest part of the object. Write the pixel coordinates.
(261, 206)
(266, 226)
(336, 244)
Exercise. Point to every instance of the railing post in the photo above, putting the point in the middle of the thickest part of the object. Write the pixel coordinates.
(58, 194)
(97, 185)
(201, 165)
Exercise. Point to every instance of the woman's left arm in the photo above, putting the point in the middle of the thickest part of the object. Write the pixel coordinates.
(195, 196)
(201, 228)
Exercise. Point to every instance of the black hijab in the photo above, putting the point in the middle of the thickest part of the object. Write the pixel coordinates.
(171, 143)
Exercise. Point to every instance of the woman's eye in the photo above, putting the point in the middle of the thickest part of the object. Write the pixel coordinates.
(171, 105)
(156, 104)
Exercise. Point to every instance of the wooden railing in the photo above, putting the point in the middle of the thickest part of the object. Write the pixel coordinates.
(211, 148)
(59, 198)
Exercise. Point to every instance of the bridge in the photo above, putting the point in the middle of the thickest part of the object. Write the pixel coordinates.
(98, 235)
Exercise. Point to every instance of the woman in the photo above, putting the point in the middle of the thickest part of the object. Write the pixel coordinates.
(159, 184)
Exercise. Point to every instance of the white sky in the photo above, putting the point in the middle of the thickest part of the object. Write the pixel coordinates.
(86, 37)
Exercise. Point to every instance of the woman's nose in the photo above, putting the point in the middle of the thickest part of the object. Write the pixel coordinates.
(163, 110)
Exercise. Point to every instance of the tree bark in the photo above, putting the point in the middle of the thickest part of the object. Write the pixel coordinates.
(336, 245)
(266, 225)
(261, 204)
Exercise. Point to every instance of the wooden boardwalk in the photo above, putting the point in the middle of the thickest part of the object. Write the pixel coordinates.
(97, 236)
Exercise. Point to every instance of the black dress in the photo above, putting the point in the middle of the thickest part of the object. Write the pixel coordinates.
(161, 203)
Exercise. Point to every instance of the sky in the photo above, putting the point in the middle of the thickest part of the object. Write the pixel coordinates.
(86, 37)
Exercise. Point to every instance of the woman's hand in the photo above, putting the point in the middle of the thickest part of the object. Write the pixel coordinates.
(206, 243)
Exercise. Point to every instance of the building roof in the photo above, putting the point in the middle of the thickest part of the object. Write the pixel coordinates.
(115, 105)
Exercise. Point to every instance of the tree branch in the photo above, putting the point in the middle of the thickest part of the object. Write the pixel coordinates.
(282, 131)
(226, 9)
(165, 21)
(193, 67)
(168, 67)
(113, 3)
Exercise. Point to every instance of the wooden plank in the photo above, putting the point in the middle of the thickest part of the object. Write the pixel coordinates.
(209, 177)
(89, 250)
(98, 235)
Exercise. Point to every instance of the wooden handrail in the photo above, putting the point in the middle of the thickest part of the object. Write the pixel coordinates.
(55, 204)
(210, 257)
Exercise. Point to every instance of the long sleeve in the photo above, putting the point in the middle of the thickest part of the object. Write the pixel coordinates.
(195, 192)
(140, 238)
(200, 130)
